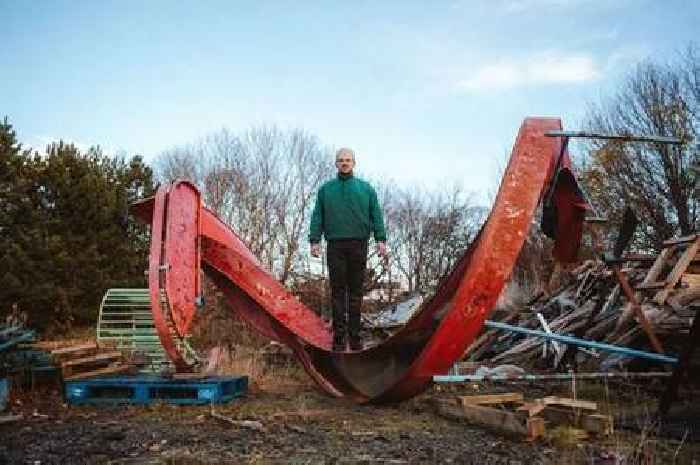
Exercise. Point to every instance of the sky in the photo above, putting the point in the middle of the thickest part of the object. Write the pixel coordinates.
(425, 92)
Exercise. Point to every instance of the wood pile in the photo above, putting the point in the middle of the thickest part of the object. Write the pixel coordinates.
(512, 415)
(646, 302)
(89, 360)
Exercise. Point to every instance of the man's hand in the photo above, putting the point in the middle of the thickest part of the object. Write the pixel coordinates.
(316, 249)
(382, 251)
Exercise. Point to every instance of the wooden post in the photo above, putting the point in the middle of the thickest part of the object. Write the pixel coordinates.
(629, 293)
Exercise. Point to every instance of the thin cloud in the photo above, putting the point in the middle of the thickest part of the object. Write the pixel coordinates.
(541, 69)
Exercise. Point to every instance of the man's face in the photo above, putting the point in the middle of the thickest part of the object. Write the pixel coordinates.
(345, 163)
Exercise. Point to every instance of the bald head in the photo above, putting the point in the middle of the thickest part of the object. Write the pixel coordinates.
(345, 160)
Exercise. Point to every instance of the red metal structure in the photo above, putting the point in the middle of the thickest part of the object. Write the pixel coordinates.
(185, 236)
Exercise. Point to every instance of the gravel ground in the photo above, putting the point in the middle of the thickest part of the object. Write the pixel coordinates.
(293, 425)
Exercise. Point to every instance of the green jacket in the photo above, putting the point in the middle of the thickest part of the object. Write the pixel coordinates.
(346, 208)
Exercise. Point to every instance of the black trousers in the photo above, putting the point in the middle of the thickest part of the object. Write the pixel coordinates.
(347, 261)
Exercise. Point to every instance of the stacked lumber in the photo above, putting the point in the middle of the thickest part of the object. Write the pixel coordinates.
(647, 302)
(89, 360)
(512, 415)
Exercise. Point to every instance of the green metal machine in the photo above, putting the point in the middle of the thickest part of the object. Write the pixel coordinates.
(126, 323)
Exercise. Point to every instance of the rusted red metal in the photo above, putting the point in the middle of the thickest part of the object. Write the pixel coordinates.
(182, 253)
(438, 334)
(156, 269)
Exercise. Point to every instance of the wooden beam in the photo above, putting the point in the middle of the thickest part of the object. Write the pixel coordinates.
(632, 299)
(681, 240)
(74, 349)
(492, 399)
(95, 358)
(651, 277)
(10, 418)
(501, 421)
(651, 286)
(99, 372)
(531, 408)
(692, 280)
(567, 402)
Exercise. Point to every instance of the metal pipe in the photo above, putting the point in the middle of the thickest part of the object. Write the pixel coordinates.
(583, 343)
(546, 377)
(623, 138)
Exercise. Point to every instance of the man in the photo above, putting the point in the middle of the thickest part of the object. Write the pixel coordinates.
(346, 212)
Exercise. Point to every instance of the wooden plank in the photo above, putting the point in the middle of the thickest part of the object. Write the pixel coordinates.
(692, 280)
(531, 408)
(535, 428)
(10, 418)
(678, 271)
(487, 399)
(501, 421)
(99, 372)
(74, 349)
(566, 402)
(681, 240)
(591, 423)
(651, 286)
(95, 358)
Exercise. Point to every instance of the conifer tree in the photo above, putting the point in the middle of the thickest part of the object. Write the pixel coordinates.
(68, 238)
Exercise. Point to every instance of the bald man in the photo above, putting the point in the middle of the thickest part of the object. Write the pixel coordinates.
(346, 214)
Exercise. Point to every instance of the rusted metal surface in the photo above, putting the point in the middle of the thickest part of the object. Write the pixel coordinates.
(156, 268)
(441, 330)
(182, 253)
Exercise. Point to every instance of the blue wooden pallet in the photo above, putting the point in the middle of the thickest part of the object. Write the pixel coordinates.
(13, 335)
(4, 393)
(144, 390)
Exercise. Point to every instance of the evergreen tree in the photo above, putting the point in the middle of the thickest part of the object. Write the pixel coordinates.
(68, 237)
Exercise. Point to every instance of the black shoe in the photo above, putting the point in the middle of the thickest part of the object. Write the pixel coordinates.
(356, 345)
(338, 346)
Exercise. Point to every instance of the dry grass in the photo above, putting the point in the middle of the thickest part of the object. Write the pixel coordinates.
(74, 336)
(265, 371)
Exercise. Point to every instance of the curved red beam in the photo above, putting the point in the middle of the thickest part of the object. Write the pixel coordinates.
(433, 339)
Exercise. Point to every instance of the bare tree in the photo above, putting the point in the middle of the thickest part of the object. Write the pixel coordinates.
(261, 183)
(652, 178)
(430, 231)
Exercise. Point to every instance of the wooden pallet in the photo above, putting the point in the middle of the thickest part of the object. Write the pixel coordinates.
(145, 390)
(89, 360)
(511, 414)
(11, 336)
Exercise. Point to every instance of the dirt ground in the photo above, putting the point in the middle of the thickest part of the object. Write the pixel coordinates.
(291, 423)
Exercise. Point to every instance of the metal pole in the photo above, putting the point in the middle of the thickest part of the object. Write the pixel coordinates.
(583, 343)
(547, 377)
(621, 138)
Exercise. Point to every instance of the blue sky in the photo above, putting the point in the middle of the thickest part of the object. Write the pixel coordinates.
(427, 92)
